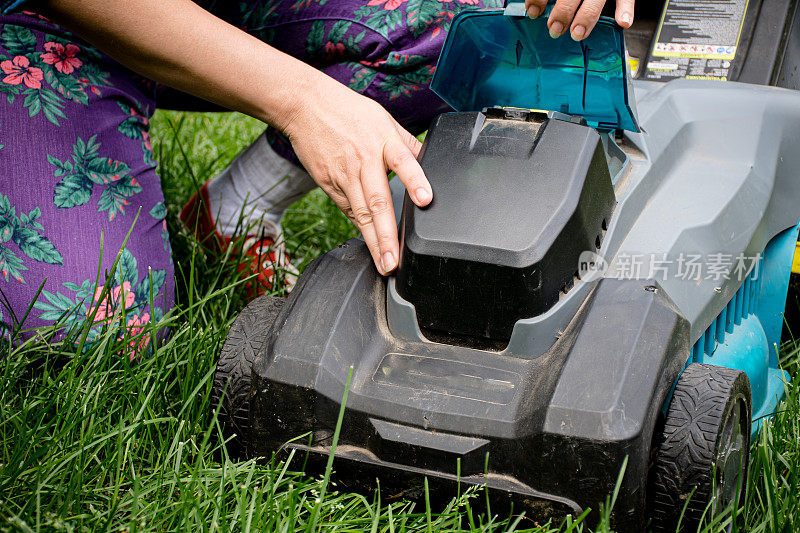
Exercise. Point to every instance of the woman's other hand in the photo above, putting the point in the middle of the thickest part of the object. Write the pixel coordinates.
(348, 143)
(579, 17)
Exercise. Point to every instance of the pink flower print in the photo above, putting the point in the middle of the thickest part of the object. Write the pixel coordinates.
(20, 71)
(31, 13)
(121, 295)
(139, 340)
(63, 58)
(143, 119)
(16, 276)
(389, 5)
(334, 50)
(139, 320)
(115, 175)
(146, 140)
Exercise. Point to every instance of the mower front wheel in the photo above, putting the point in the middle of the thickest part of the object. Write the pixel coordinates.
(702, 453)
(230, 392)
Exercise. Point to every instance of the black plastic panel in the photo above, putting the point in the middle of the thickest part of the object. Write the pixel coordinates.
(515, 204)
(625, 347)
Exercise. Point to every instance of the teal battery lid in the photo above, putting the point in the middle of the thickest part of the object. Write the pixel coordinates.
(496, 58)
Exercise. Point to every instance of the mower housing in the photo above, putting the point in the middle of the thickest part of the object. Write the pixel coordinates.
(519, 196)
(423, 409)
(486, 360)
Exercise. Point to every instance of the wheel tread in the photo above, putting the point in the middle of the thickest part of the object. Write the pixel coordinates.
(231, 387)
(688, 443)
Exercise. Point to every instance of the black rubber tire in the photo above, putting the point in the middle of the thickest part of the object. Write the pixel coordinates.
(232, 378)
(711, 406)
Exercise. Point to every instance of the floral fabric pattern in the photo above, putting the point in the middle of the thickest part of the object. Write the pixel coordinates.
(126, 298)
(79, 168)
(47, 76)
(159, 212)
(87, 169)
(77, 176)
(19, 70)
(384, 49)
(362, 37)
(137, 126)
(62, 57)
(27, 233)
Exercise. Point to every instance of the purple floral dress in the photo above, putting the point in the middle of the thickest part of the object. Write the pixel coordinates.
(78, 180)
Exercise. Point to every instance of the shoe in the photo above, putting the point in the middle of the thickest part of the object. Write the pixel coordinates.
(263, 253)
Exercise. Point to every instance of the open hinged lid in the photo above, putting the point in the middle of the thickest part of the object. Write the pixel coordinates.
(497, 58)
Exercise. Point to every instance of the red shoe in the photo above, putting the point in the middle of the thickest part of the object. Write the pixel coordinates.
(264, 253)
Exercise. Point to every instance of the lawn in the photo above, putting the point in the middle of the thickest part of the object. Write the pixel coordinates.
(90, 440)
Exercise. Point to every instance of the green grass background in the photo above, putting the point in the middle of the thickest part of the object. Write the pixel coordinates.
(94, 442)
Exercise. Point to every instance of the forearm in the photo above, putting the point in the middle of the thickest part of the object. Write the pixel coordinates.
(345, 141)
(182, 45)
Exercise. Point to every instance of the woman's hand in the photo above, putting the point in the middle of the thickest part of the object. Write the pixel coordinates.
(579, 17)
(348, 143)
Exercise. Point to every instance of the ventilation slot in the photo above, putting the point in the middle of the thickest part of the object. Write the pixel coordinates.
(742, 305)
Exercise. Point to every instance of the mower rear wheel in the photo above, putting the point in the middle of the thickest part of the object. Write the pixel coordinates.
(230, 392)
(702, 453)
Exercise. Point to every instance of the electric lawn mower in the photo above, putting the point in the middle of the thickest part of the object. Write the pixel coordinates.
(600, 280)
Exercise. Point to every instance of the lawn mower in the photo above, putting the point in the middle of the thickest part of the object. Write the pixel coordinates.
(594, 298)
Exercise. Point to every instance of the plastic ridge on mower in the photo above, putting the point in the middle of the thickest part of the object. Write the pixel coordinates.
(509, 350)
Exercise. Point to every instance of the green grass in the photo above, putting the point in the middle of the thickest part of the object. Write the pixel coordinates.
(92, 441)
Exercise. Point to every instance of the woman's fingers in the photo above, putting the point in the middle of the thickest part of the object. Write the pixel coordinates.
(378, 199)
(534, 8)
(354, 206)
(561, 16)
(624, 13)
(585, 19)
(348, 143)
(368, 200)
(580, 17)
(377, 213)
(398, 157)
(409, 140)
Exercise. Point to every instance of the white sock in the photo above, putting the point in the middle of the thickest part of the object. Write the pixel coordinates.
(255, 190)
